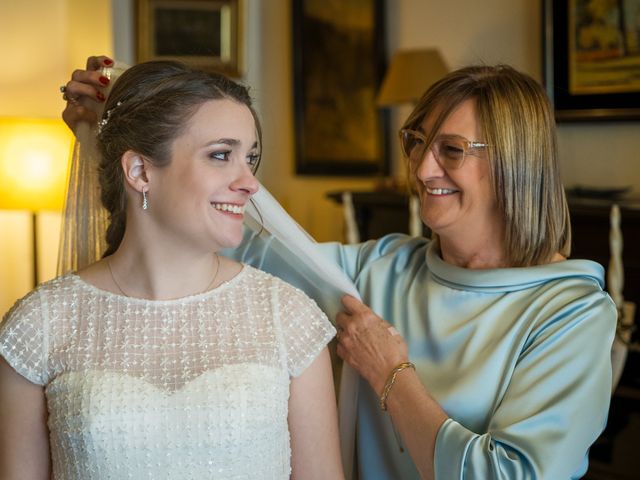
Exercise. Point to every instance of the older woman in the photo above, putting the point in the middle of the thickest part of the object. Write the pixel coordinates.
(509, 339)
(493, 358)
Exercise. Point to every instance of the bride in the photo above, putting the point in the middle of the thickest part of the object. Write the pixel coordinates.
(164, 359)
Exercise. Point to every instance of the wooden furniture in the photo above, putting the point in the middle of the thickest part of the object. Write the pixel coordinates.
(379, 213)
(612, 455)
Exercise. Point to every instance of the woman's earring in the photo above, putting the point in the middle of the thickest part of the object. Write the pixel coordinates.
(145, 203)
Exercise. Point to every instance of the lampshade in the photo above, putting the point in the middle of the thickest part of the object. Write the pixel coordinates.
(33, 163)
(411, 72)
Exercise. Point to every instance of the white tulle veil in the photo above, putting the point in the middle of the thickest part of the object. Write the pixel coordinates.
(295, 244)
(84, 220)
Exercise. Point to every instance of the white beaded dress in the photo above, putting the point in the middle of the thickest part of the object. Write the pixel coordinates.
(194, 388)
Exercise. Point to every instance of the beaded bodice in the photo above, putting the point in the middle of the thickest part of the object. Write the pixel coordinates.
(190, 388)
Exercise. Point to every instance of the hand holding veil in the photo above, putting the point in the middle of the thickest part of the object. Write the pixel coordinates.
(84, 220)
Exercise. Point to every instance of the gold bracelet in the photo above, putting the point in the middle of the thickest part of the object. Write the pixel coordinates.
(390, 381)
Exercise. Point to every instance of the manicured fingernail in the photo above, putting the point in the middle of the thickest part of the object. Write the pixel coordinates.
(100, 96)
(103, 80)
(107, 61)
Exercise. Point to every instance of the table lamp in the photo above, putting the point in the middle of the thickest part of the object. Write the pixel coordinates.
(410, 73)
(34, 154)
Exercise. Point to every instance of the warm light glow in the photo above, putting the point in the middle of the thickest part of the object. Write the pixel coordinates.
(34, 154)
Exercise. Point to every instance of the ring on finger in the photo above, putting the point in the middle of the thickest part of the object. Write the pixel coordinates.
(70, 99)
(66, 97)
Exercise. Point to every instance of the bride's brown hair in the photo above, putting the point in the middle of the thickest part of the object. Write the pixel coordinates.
(149, 106)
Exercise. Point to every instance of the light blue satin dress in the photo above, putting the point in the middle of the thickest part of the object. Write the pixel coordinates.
(519, 358)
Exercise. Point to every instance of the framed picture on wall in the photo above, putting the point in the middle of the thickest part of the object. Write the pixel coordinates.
(592, 59)
(338, 51)
(202, 33)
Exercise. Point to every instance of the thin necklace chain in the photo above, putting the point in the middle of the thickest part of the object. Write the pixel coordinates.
(211, 283)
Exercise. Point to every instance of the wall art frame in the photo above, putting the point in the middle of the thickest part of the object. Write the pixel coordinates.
(338, 66)
(592, 60)
(203, 33)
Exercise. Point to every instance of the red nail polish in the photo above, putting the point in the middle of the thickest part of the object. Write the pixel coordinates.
(100, 96)
(108, 61)
(103, 80)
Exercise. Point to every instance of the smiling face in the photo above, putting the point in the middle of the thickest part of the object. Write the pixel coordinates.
(458, 203)
(198, 199)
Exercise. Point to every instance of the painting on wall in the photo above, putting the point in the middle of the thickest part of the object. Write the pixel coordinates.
(592, 58)
(338, 49)
(201, 33)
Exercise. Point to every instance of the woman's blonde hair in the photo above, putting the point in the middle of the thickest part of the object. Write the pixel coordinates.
(517, 122)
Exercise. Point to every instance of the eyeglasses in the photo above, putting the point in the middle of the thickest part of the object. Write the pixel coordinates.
(448, 150)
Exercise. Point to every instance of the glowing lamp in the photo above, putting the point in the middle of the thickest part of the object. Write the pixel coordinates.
(33, 163)
(34, 154)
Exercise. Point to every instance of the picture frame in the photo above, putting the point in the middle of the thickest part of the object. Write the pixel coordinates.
(592, 60)
(338, 66)
(202, 33)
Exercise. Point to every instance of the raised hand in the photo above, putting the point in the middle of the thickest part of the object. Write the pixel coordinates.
(83, 92)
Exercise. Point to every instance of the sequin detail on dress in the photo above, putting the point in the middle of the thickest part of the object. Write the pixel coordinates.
(190, 388)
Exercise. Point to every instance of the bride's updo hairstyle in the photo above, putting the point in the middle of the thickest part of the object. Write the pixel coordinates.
(149, 106)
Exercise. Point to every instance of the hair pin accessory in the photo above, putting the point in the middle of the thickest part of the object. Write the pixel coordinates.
(105, 119)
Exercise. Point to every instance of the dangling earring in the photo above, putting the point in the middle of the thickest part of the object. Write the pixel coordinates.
(145, 203)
